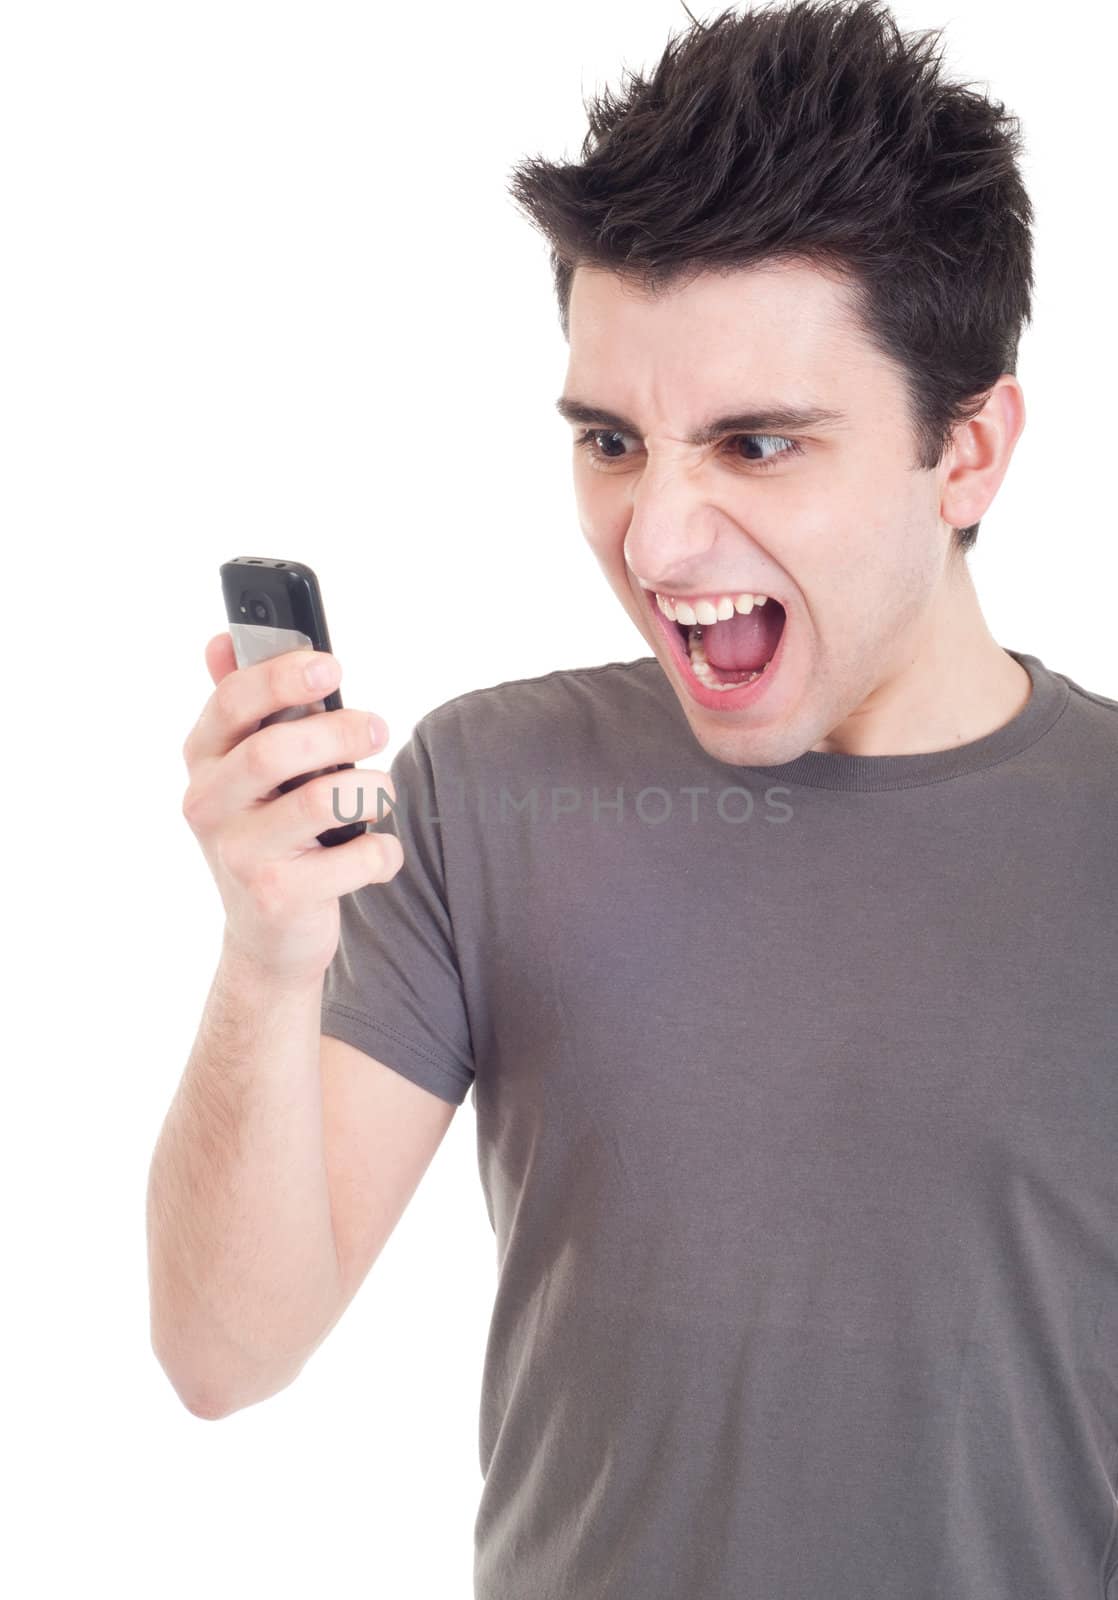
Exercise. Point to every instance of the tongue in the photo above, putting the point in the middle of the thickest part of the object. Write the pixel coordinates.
(744, 643)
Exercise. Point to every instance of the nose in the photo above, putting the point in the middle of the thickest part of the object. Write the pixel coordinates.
(672, 530)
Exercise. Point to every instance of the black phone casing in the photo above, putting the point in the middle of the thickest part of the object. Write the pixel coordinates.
(272, 606)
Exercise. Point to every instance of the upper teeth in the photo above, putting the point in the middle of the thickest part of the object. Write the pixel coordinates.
(708, 611)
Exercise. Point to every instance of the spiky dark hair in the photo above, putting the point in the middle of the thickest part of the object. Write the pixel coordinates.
(816, 132)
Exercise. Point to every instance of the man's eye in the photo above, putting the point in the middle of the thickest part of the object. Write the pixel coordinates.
(792, 447)
(588, 443)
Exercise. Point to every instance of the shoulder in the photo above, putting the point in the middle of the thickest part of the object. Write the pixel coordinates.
(1082, 748)
(557, 714)
(1106, 717)
(1094, 715)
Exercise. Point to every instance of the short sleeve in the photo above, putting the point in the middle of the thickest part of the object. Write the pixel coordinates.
(393, 988)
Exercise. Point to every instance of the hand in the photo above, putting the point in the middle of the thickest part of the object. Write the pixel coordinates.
(279, 886)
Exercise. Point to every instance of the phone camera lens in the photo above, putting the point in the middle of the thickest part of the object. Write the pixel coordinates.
(259, 606)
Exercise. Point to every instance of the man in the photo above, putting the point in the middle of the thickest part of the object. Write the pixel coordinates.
(782, 962)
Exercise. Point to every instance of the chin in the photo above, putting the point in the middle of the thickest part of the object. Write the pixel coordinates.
(767, 747)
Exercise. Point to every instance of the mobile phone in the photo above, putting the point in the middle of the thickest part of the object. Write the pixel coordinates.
(272, 606)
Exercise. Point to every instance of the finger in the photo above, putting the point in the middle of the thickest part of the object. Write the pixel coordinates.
(243, 697)
(280, 829)
(323, 875)
(255, 768)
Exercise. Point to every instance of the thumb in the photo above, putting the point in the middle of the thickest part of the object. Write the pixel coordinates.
(220, 657)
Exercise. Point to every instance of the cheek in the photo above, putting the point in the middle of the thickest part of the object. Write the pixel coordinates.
(602, 522)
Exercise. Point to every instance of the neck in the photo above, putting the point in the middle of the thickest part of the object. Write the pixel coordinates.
(954, 684)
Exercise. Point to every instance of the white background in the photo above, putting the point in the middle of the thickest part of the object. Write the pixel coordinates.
(263, 291)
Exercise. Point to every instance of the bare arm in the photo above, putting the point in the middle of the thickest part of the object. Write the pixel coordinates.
(244, 1274)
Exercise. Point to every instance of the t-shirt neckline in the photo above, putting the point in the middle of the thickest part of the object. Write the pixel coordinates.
(819, 769)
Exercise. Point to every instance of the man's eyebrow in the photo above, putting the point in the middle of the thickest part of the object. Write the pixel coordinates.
(774, 418)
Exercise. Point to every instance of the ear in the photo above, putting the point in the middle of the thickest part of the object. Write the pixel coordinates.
(980, 454)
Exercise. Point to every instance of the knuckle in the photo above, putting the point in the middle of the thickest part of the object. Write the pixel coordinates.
(258, 757)
(226, 697)
(306, 743)
(193, 806)
(312, 798)
(268, 889)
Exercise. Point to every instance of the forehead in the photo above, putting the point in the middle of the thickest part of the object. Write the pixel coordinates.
(787, 328)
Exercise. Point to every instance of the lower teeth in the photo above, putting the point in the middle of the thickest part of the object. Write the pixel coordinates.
(702, 669)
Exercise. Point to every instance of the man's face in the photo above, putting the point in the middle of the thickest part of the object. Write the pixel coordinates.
(843, 532)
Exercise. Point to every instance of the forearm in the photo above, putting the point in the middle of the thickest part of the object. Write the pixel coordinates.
(243, 1269)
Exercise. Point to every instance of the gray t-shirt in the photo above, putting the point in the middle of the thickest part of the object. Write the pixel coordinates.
(796, 1092)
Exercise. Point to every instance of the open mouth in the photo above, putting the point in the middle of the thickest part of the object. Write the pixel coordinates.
(725, 677)
(728, 662)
